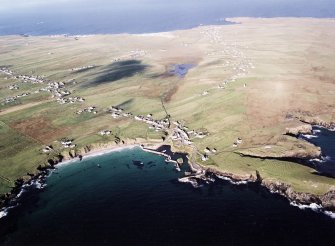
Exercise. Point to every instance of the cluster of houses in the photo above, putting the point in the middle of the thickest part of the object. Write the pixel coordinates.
(77, 69)
(9, 100)
(237, 142)
(90, 109)
(13, 87)
(116, 59)
(158, 125)
(233, 58)
(61, 93)
(105, 132)
(57, 89)
(6, 71)
(205, 93)
(70, 100)
(208, 151)
(53, 86)
(30, 79)
(240, 63)
(117, 112)
(47, 149)
(197, 134)
(34, 79)
(137, 53)
(212, 34)
(67, 143)
(180, 133)
(13, 99)
(23, 95)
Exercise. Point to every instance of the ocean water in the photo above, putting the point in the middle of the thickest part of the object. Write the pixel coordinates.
(325, 139)
(112, 200)
(142, 16)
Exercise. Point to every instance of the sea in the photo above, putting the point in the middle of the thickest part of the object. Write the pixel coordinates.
(132, 197)
(82, 17)
(325, 139)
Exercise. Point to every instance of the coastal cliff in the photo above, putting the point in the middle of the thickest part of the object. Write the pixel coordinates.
(311, 119)
(327, 200)
(301, 129)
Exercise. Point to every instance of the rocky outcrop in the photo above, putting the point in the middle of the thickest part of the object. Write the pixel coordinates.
(234, 177)
(301, 197)
(317, 122)
(328, 200)
(302, 129)
(304, 154)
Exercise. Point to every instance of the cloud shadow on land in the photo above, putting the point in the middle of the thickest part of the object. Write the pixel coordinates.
(116, 71)
(125, 104)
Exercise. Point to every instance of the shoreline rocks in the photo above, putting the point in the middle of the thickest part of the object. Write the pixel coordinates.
(328, 200)
(302, 129)
(325, 201)
(315, 121)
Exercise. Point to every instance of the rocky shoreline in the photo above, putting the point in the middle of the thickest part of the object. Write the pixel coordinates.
(10, 199)
(317, 122)
(325, 202)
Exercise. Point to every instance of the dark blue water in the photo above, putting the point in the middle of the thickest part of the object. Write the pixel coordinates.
(120, 203)
(325, 139)
(142, 16)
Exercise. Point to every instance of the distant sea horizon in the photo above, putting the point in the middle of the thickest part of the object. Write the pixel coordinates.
(145, 16)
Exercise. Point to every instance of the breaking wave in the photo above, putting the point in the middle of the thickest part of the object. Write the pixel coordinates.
(314, 207)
